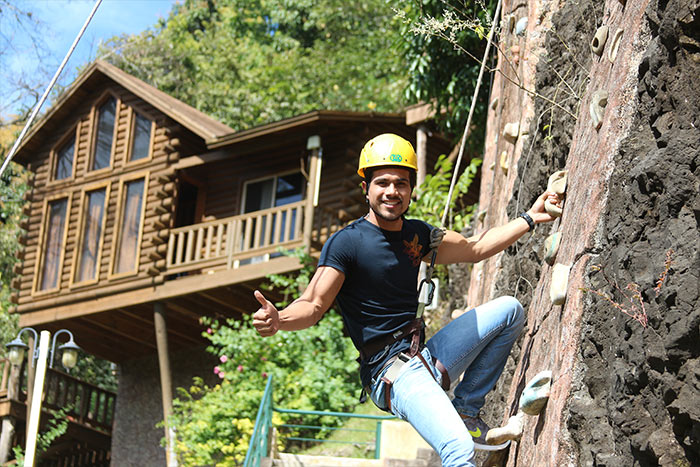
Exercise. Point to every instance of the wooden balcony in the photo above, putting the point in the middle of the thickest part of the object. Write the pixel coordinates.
(227, 243)
(88, 408)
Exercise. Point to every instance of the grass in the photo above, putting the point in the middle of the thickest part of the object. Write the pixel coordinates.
(346, 443)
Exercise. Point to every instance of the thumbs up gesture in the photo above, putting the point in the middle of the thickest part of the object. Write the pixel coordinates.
(267, 319)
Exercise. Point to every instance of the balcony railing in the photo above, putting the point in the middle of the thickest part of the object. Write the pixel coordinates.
(225, 243)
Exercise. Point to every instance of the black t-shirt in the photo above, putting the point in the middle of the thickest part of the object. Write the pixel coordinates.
(379, 294)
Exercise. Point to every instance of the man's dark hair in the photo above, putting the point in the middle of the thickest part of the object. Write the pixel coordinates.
(369, 173)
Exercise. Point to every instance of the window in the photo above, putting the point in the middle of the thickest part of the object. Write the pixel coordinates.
(104, 134)
(129, 226)
(53, 241)
(64, 160)
(273, 192)
(140, 138)
(93, 213)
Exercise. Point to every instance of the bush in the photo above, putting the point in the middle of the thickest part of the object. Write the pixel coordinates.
(313, 369)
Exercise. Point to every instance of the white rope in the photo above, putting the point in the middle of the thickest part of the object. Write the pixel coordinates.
(37, 107)
(428, 279)
(471, 113)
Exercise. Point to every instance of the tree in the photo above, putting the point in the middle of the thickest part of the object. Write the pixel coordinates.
(443, 46)
(251, 62)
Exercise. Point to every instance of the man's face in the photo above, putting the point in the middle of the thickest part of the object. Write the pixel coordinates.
(389, 193)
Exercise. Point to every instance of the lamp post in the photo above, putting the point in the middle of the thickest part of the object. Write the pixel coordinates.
(16, 355)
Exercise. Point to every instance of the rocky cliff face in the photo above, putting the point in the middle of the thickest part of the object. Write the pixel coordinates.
(626, 372)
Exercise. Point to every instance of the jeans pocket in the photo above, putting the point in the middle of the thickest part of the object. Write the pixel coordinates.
(377, 395)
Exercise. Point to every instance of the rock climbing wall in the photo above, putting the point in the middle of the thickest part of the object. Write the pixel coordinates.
(606, 91)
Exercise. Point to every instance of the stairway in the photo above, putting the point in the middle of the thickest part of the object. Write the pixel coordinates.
(425, 458)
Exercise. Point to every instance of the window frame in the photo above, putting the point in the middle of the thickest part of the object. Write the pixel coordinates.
(94, 121)
(117, 234)
(130, 138)
(41, 253)
(75, 131)
(82, 217)
(275, 176)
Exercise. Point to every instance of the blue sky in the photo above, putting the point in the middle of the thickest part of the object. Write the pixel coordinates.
(60, 22)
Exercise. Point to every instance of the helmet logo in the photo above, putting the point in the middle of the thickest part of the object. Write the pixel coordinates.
(395, 158)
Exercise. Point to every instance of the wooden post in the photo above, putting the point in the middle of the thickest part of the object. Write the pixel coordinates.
(166, 384)
(313, 144)
(9, 423)
(421, 153)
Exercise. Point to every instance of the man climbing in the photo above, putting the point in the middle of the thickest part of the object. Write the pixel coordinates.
(371, 268)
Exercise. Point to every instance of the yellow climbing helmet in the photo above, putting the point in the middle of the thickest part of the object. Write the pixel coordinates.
(387, 149)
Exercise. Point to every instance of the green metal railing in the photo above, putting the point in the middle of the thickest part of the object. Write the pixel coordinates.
(259, 442)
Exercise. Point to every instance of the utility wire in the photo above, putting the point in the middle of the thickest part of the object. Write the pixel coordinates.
(37, 107)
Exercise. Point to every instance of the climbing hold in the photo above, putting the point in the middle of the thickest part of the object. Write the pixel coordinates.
(556, 184)
(536, 393)
(521, 26)
(482, 215)
(615, 44)
(598, 102)
(510, 131)
(511, 431)
(560, 282)
(494, 103)
(492, 166)
(598, 42)
(504, 162)
(510, 23)
(551, 247)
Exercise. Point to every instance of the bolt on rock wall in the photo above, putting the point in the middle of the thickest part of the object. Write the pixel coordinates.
(605, 90)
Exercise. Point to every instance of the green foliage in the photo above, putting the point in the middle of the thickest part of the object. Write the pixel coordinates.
(12, 187)
(56, 427)
(444, 42)
(431, 196)
(313, 369)
(250, 62)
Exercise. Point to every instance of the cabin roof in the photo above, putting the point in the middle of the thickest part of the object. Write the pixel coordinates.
(93, 77)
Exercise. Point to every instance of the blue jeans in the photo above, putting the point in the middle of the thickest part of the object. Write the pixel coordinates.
(477, 345)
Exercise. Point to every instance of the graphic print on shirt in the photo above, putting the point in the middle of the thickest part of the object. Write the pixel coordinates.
(413, 250)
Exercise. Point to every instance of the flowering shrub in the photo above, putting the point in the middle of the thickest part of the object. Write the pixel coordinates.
(313, 369)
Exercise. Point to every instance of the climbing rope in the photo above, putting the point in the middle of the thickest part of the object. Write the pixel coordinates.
(427, 280)
(37, 107)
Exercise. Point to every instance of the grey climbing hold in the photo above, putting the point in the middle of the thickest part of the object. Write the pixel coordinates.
(560, 283)
(556, 184)
(615, 44)
(598, 102)
(536, 393)
(511, 131)
(551, 247)
(599, 40)
(521, 26)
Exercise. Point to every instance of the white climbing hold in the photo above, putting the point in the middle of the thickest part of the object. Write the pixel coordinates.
(556, 184)
(511, 131)
(615, 44)
(504, 162)
(599, 40)
(511, 431)
(597, 108)
(521, 26)
(560, 283)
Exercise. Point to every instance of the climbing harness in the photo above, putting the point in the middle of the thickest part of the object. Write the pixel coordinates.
(37, 107)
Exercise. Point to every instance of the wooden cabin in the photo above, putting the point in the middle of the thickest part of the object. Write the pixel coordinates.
(144, 215)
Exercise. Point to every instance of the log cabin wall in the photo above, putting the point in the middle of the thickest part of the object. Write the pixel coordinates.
(168, 141)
